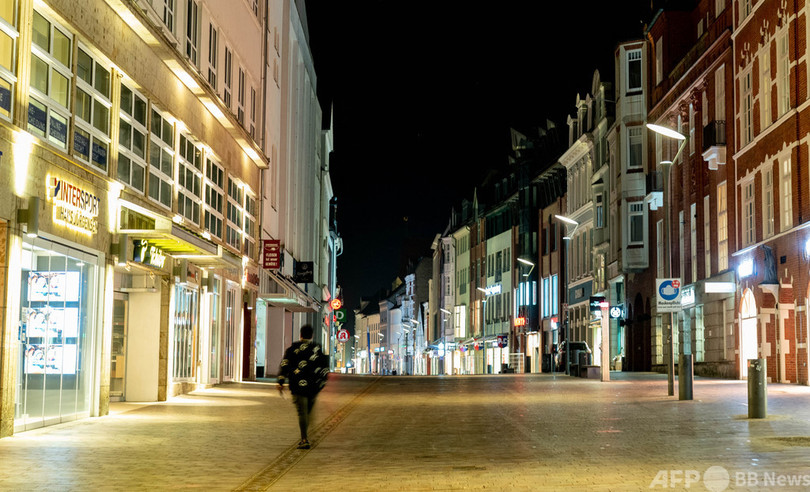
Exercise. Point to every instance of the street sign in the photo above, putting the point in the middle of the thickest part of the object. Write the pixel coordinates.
(271, 254)
(668, 295)
(343, 336)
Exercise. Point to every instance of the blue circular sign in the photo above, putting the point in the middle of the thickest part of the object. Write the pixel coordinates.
(669, 289)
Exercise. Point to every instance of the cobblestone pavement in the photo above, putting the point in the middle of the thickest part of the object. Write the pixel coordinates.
(505, 432)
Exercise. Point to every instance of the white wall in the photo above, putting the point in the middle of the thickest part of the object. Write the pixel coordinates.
(143, 347)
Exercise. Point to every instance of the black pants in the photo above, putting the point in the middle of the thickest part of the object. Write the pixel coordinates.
(303, 404)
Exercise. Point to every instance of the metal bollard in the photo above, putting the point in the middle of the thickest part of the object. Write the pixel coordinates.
(757, 389)
(686, 370)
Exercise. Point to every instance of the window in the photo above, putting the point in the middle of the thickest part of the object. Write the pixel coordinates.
(48, 115)
(185, 322)
(786, 196)
(783, 71)
(240, 98)
(249, 245)
(767, 202)
(720, 94)
(214, 198)
(228, 77)
(746, 119)
(132, 139)
(693, 243)
(189, 179)
(546, 297)
(234, 225)
(554, 295)
(765, 86)
(599, 221)
(253, 113)
(213, 50)
(634, 147)
(168, 14)
(161, 155)
(745, 8)
(691, 128)
(636, 221)
(8, 49)
(659, 249)
(659, 60)
(722, 228)
(719, 6)
(707, 234)
(633, 70)
(699, 334)
(749, 214)
(192, 31)
(91, 136)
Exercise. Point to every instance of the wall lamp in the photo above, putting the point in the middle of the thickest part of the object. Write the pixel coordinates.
(529, 263)
(30, 217)
(566, 220)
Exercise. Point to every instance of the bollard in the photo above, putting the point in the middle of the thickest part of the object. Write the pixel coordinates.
(686, 370)
(757, 389)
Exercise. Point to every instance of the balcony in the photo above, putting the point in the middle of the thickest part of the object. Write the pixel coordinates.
(714, 144)
(655, 189)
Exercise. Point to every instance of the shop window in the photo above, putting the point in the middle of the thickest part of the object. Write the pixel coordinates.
(91, 136)
(185, 329)
(48, 115)
(58, 292)
(189, 180)
(132, 139)
(161, 154)
(214, 198)
(8, 45)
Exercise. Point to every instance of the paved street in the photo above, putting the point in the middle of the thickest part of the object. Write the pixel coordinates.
(505, 432)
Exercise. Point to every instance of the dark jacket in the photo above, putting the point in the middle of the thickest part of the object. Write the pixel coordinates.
(305, 367)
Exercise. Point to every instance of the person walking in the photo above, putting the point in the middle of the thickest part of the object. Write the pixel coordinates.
(305, 368)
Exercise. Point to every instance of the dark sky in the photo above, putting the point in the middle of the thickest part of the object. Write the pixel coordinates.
(424, 95)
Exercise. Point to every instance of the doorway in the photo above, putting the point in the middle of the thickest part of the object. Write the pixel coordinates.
(118, 351)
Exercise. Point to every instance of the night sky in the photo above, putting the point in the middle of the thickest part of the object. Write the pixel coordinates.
(424, 94)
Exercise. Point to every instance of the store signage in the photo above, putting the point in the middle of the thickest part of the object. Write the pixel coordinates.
(597, 303)
(340, 315)
(502, 341)
(616, 312)
(492, 290)
(335, 304)
(719, 287)
(343, 336)
(271, 254)
(688, 296)
(148, 254)
(304, 272)
(521, 321)
(252, 276)
(668, 295)
(73, 207)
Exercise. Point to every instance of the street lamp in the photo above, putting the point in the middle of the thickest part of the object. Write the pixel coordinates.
(567, 238)
(684, 380)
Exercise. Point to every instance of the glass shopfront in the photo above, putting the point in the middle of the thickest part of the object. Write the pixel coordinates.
(58, 291)
(185, 332)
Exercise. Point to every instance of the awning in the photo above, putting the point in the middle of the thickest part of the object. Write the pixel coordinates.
(173, 239)
(279, 291)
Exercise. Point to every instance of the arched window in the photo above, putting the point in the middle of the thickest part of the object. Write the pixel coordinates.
(749, 347)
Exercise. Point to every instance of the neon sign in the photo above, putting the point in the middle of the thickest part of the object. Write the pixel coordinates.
(149, 254)
(73, 207)
(521, 321)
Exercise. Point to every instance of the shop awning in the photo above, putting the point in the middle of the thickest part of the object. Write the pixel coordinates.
(173, 239)
(279, 291)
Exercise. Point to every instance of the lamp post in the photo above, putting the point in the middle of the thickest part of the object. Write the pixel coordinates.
(566, 239)
(446, 343)
(684, 380)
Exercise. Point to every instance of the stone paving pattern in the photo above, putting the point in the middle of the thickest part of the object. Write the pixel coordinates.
(504, 432)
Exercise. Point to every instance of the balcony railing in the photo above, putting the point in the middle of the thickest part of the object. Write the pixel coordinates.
(714, 134)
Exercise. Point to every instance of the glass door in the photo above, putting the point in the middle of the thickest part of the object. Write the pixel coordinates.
(214, 332)
(58, 294)
(231, 330)
(118, 352)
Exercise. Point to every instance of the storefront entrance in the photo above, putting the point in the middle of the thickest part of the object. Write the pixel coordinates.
(58, 292)
(231, 347)
(118, 352)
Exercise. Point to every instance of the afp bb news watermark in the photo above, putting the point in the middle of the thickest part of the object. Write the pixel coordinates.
(717, 479)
